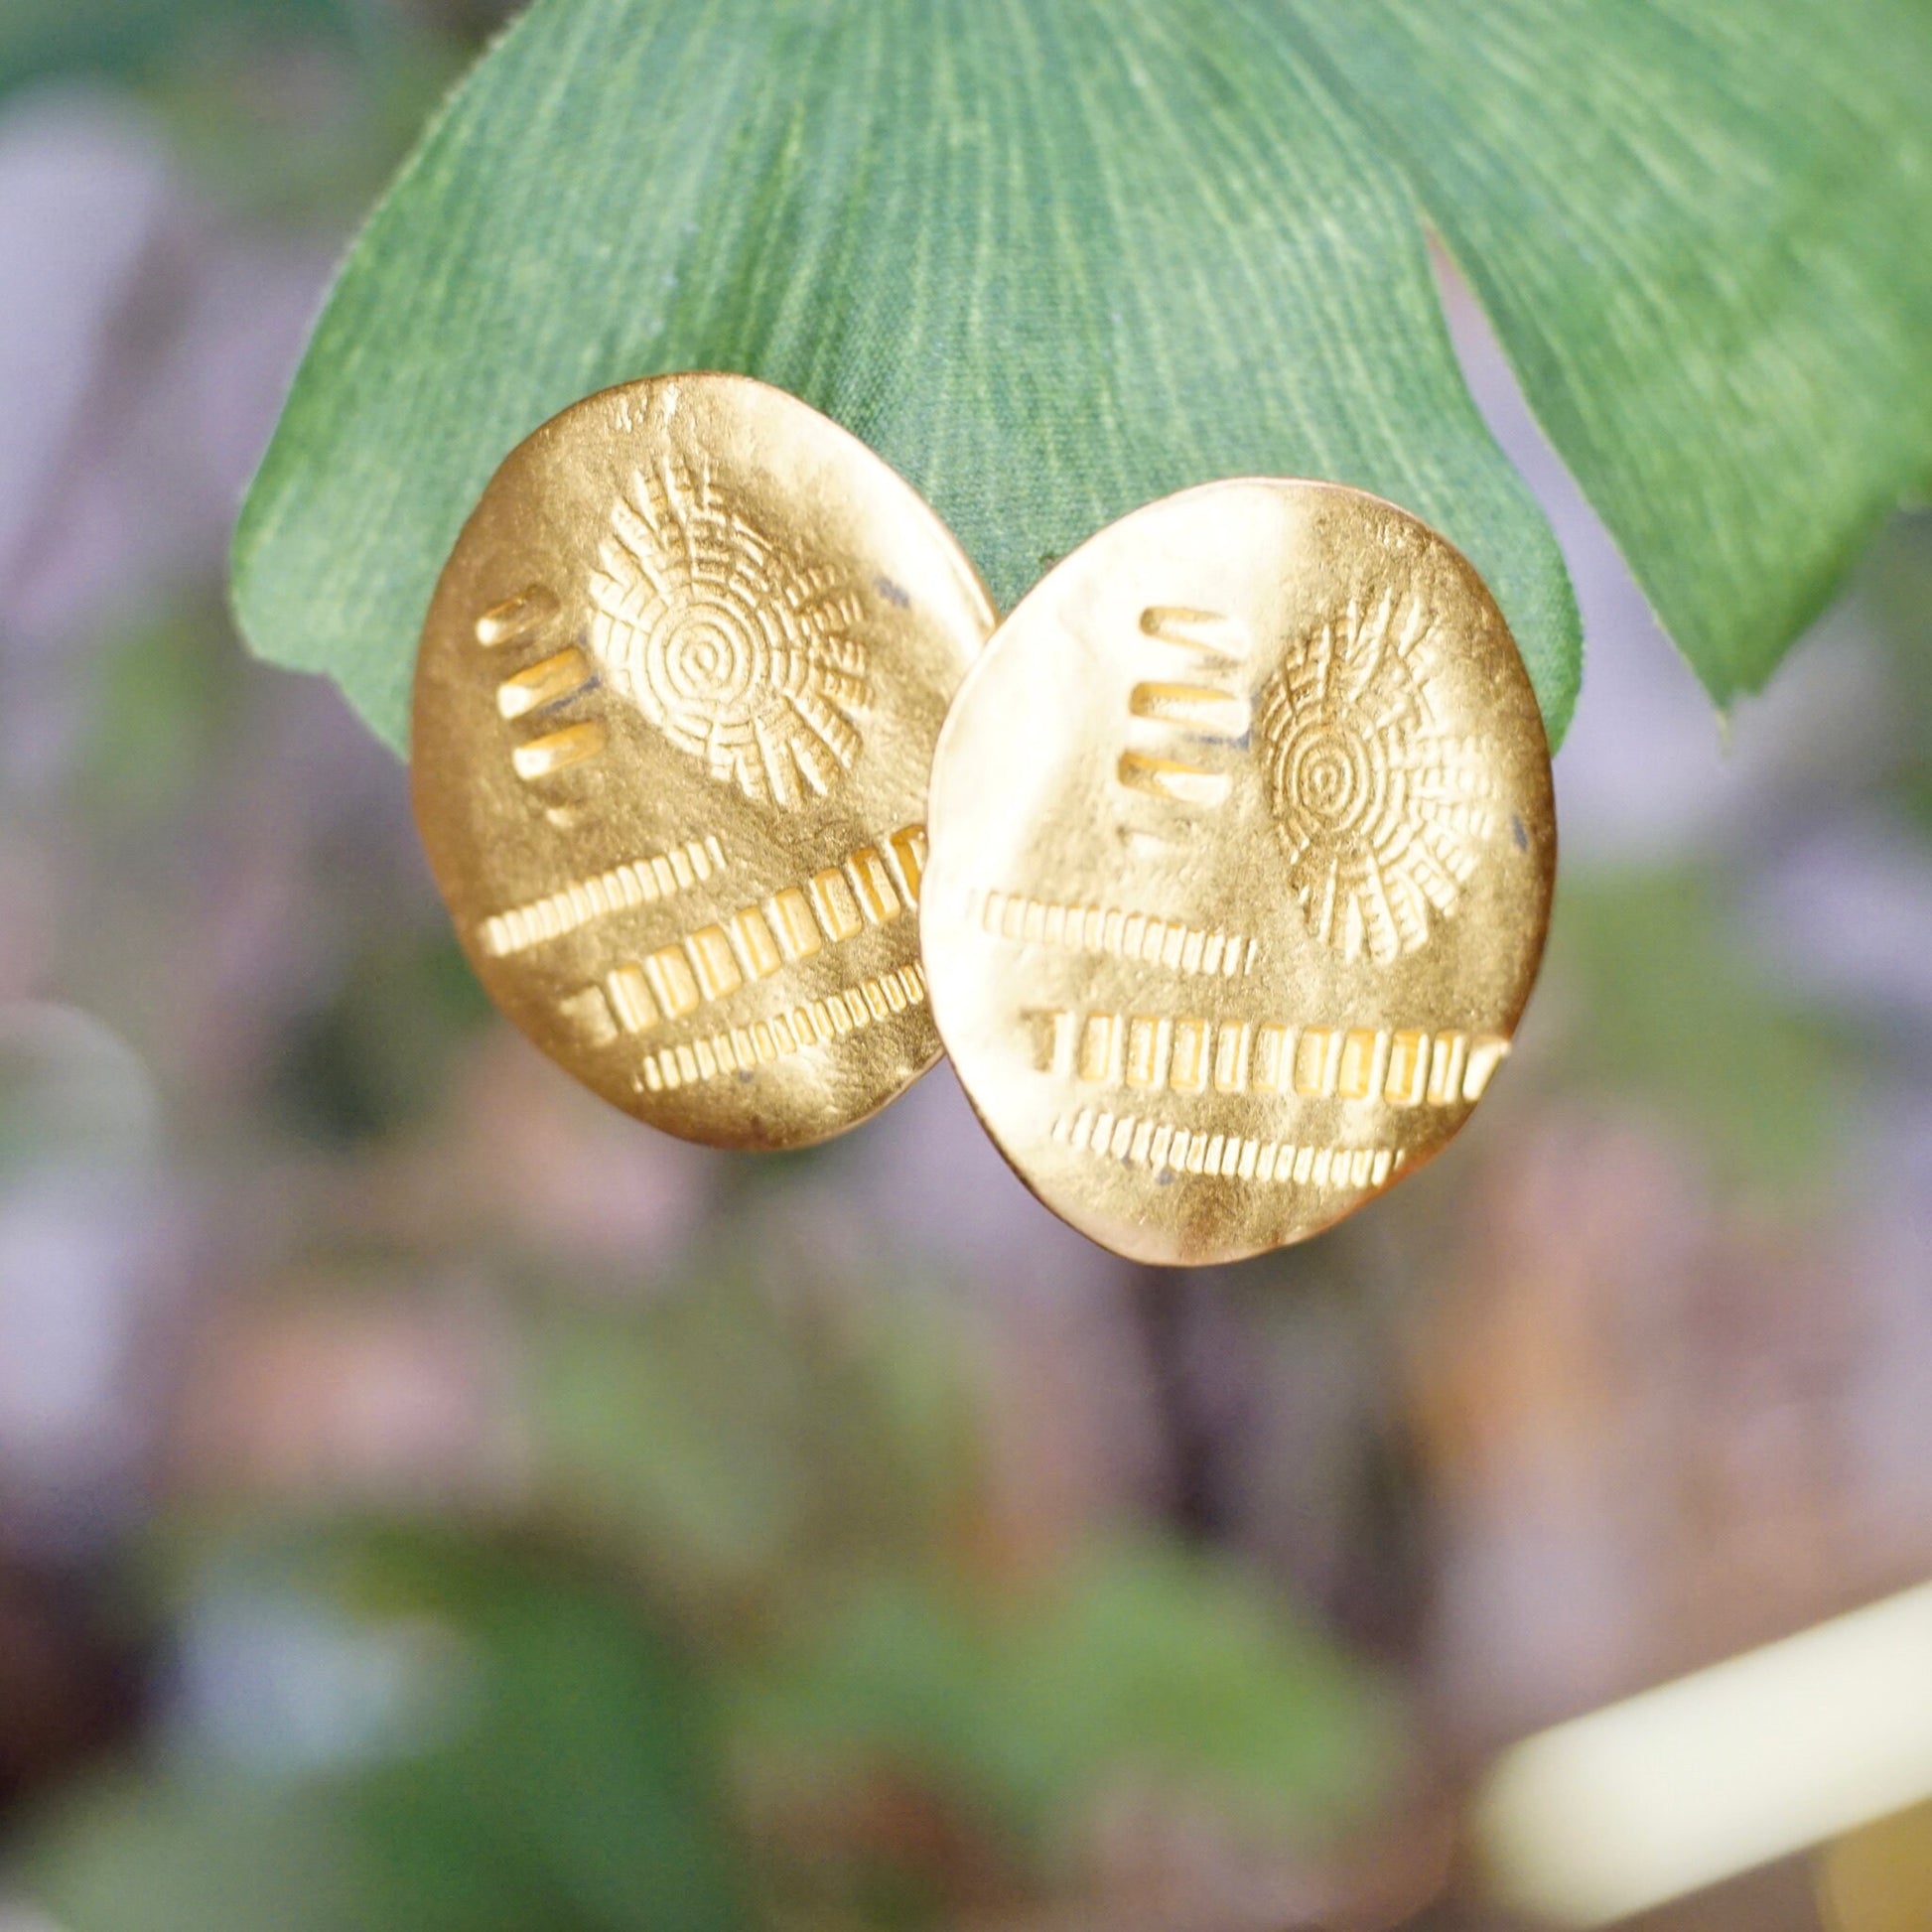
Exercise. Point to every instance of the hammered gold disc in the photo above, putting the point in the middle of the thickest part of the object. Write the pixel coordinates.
(674, 715)
(1243, 842)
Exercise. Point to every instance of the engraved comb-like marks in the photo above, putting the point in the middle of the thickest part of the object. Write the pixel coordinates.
(623, 889)
(1383, 807)
(524, 619)
(1120, 934)
(557, 750)
(743, 654)
(1190, 714)
(522, 616)
(543, 683)
(1164, 1148)
(740, 1049)
(871, 887)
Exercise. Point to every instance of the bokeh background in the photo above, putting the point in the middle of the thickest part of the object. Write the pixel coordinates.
(429, 1501)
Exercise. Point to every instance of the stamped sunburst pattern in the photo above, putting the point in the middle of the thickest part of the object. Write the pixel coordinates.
(741, 652)
(1383, 807)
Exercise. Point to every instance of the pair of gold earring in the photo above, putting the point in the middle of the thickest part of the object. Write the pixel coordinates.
(1221, 868)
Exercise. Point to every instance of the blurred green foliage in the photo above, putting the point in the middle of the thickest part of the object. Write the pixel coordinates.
(132, 38)
(1137, 1661)
(783, 1450)
(230, 103)
(1896, 591)
(794, 1580)
(157, 1854)
(1669, 1005)
(296, 108)
(375, 1055)
(165, 692)
(566, 1775)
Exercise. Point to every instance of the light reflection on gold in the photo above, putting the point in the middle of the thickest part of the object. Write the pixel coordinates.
(674, 714)
(1243, 843)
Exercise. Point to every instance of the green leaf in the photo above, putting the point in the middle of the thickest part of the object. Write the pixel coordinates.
(1700, 227)
(1052, 258)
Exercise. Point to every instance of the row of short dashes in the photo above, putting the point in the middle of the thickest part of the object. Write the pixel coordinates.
(740, 1049)
(1163, 1147)
(623, 889)
(1121, 934)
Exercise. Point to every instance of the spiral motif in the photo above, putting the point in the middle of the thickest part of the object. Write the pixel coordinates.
(739, 653)
(1383, 811)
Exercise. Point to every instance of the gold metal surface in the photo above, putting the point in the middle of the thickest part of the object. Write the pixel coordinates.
(1242, 850)
(674, 712)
